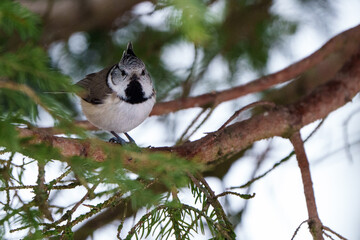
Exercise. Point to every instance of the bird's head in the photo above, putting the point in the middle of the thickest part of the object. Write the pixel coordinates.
(130, 79)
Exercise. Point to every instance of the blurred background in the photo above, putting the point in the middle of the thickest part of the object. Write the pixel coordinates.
(191, 47)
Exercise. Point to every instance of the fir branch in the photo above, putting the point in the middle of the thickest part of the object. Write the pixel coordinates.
(5, 83)
(227, 228)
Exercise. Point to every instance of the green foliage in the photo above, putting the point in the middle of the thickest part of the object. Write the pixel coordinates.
(173, 218)
(191, 18)
(15, 19)
(161, 221)
(8, 135)
(87, 174)
(25, 73)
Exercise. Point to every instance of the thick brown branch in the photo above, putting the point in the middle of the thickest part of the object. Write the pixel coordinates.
(315, 224)
(337, 43)
(281, 121)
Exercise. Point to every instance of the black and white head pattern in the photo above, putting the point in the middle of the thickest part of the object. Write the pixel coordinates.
(130, 79)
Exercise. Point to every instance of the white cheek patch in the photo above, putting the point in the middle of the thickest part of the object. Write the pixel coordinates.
(146, 86)
(118, 88)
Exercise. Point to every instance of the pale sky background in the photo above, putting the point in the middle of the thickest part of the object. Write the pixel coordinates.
(279, 205)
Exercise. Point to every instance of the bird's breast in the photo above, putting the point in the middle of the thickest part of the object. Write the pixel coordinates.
(117, 115)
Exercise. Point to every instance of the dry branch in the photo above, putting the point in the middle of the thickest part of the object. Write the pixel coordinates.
(281, 121)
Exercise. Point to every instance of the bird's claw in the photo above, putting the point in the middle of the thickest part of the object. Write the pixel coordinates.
(117, 140)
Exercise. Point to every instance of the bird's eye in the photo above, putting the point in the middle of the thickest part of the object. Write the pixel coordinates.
(143, 72)
(123, 73)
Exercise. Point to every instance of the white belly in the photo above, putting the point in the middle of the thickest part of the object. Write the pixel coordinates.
(117, 115)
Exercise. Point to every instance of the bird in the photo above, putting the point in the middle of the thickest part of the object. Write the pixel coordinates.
(120, 97)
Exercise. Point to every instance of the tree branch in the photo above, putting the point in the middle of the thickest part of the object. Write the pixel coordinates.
(315, 224)
(343, 40)
(222, 144)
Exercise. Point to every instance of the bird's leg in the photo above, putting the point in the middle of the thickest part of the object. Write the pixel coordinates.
(131, 140)
(117, 139)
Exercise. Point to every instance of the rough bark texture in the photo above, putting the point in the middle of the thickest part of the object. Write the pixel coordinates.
(340, 47)
(281, 121)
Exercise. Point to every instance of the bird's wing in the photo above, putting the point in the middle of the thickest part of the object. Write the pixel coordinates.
(95, 86)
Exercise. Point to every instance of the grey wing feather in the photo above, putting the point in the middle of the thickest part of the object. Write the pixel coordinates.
(95, 86)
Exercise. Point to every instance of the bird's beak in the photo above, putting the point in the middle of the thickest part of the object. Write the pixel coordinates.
(134, 77)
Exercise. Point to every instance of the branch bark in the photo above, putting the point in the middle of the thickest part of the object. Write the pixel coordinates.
(315, 224)
(347, 40)
(343, 42)
(222, 144)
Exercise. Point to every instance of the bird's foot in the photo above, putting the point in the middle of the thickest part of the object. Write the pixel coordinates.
(131, 140)
(118, 140)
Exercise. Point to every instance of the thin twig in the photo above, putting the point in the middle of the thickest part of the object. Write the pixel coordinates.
(328, 154)
(202, 122)
(251, 105)
(58, 179)
(328, 235)
(346, 135)
(187, 84)
(298, 228)
(247, 184)
(190, 125)
(122, 220)
(243, 196)
(333, 232)
(68, 186)
(69, 213)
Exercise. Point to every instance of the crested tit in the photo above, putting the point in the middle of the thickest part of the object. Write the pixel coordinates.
(120, 97)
